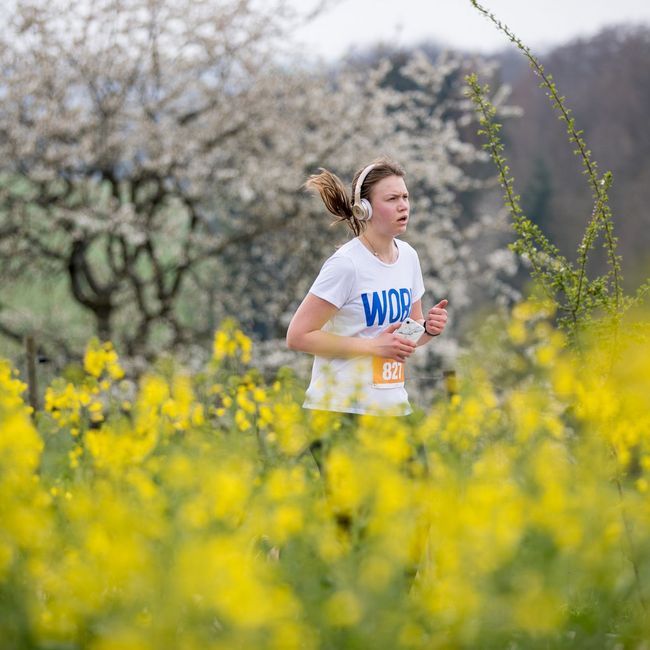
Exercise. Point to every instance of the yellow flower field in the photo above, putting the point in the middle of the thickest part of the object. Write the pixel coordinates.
(190, 514)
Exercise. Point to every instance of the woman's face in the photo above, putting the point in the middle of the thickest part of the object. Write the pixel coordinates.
(390, 206)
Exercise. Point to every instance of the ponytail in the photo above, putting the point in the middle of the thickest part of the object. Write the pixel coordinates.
(335, 196)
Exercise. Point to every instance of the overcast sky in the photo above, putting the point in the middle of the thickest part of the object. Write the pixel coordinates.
(455, 23)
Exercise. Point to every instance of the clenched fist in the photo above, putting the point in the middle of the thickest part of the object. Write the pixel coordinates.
(436, 319)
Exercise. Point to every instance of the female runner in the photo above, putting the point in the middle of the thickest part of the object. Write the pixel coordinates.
(362, 295)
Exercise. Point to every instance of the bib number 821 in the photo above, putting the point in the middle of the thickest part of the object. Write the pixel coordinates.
(392, 371)
(387, 373)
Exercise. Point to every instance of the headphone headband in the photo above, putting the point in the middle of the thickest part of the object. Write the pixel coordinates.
(362, 177)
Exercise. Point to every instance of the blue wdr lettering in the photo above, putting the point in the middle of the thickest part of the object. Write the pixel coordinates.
(394, 303)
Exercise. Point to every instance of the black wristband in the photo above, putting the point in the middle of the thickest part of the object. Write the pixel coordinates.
(426, 331)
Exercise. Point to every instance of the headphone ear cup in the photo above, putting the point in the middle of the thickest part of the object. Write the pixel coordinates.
(362, 210)
(367, 208)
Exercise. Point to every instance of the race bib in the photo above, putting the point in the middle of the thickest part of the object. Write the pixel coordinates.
(387, 373)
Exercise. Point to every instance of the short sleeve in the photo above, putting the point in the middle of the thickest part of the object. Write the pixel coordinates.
(335, 280)
(418, 282)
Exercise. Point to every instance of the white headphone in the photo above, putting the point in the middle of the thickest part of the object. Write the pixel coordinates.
(361, 208)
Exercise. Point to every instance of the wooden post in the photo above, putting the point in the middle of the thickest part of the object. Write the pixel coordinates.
(451, 382)
(30, 360)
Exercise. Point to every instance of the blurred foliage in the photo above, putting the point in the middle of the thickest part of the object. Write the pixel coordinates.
(189, 512)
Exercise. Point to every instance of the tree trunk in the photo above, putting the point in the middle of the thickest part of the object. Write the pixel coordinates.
(103, 319)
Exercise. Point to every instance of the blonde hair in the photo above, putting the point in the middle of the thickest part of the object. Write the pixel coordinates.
(336, 198)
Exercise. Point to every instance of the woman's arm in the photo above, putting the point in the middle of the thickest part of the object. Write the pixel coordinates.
(305, 335)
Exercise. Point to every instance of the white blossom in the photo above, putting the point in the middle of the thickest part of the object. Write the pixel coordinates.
(154, 152)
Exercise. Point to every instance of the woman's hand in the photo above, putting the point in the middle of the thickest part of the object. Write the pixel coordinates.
(436, 319)
(392, 346)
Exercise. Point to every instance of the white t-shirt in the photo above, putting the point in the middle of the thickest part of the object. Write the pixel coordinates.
(370, 295)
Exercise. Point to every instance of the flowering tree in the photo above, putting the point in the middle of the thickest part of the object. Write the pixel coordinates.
(153, 153)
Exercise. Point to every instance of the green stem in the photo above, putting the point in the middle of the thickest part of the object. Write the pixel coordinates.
(574, 136)
(493, 145)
